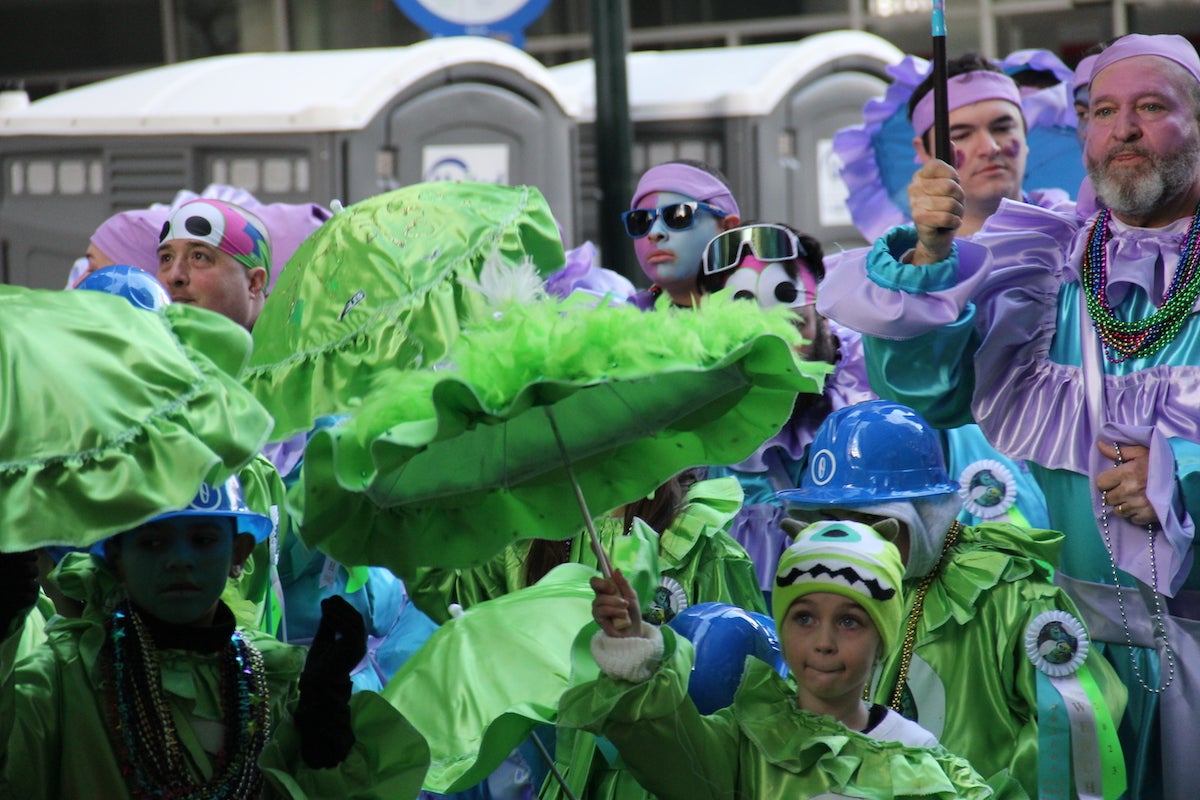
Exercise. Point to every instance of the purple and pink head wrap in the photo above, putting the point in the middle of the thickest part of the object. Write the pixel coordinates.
(688, 180)
(965, 89)
(225, 226)
(1170, 46)
(131, 237)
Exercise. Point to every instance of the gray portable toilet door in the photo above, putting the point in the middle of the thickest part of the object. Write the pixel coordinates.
(467, 131)
(816, 195)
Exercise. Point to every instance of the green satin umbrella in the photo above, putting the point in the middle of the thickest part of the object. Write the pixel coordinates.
(486, 679)
(379, 288)
(111, 414)
(548, 404)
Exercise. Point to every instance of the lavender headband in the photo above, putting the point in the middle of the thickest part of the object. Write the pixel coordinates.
(684, 179)
(229, 228)
(1165, 45)
(965, 89)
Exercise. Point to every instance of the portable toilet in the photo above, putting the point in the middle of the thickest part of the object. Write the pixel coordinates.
(289, 127)
(764, 114)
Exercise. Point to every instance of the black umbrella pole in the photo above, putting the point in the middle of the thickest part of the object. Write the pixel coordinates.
(942, 147)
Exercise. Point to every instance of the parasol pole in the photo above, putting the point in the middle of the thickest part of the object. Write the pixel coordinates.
(601, 556)
(941, 99)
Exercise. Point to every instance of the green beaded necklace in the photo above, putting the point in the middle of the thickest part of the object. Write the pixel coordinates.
(1144, 337)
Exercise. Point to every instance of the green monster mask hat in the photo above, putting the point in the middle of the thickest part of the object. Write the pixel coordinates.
(846, 558)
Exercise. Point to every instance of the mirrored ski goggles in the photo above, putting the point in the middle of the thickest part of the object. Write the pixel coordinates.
(766, 241)
(677, 217)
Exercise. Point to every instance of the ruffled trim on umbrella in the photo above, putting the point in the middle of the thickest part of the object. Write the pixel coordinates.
(535, 355)
(852, 763)
(987, 555)
(406, 231)
(572, 343)
(193, 422)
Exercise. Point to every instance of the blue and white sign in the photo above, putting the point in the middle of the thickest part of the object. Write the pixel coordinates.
(499, 19)
(484, 163)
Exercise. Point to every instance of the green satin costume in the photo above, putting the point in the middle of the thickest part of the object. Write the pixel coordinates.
(694, 551)
(695, 555)
(971, 683)
(250, 595)
(762, 746)
(55, 733)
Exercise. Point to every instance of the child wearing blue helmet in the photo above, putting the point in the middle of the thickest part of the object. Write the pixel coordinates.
(155, 692)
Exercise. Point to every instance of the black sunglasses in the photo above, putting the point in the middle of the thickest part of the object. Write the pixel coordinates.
(676, 216)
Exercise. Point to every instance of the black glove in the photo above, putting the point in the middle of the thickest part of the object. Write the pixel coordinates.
(19, 587)
(323, 712)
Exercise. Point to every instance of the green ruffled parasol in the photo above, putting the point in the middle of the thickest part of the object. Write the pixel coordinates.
(444, 467)
(110, 414)
(379, 287)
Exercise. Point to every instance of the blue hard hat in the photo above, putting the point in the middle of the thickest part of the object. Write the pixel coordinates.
(136, 285)
(872, 452)
(722, 636)
(225, 500)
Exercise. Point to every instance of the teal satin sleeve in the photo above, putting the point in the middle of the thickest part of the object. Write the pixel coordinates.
(933, 373)
(1187, 471)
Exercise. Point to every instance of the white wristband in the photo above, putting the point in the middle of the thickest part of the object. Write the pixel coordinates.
(630, 658)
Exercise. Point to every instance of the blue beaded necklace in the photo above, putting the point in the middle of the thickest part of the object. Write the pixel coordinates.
(143, 732)
(1139, 338)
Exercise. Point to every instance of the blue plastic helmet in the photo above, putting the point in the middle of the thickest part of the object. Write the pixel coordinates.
(722, 636)
(225, 500)
(136, 285)
(872, 452)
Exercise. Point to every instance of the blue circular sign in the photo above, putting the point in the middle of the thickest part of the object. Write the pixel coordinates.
(502, 19)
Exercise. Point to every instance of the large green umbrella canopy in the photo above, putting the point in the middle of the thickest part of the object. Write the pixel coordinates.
(379, 287)
(444, 467)
(478, 687)
(111, 415)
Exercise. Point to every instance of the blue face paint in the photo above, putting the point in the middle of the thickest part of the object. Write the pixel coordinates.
(671, 258)
(176, 568)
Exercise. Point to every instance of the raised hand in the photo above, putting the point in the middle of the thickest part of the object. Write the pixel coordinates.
(323, 712)
(935, 199)
(615, 607)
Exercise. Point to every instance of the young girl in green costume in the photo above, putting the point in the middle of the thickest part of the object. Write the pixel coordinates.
(154, 692)
(836, 605)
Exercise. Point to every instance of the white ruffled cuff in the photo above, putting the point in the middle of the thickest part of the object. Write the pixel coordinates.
(630, 658)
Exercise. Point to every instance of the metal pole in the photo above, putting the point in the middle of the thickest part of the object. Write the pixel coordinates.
(614, 134)
(170, 31)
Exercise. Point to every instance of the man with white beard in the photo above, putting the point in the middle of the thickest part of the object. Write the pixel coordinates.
(1076, 346)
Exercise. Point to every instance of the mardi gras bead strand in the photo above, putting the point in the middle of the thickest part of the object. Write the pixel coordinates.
(914, 617)
(1160, 630)
(147, 743)
(1139, 338)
